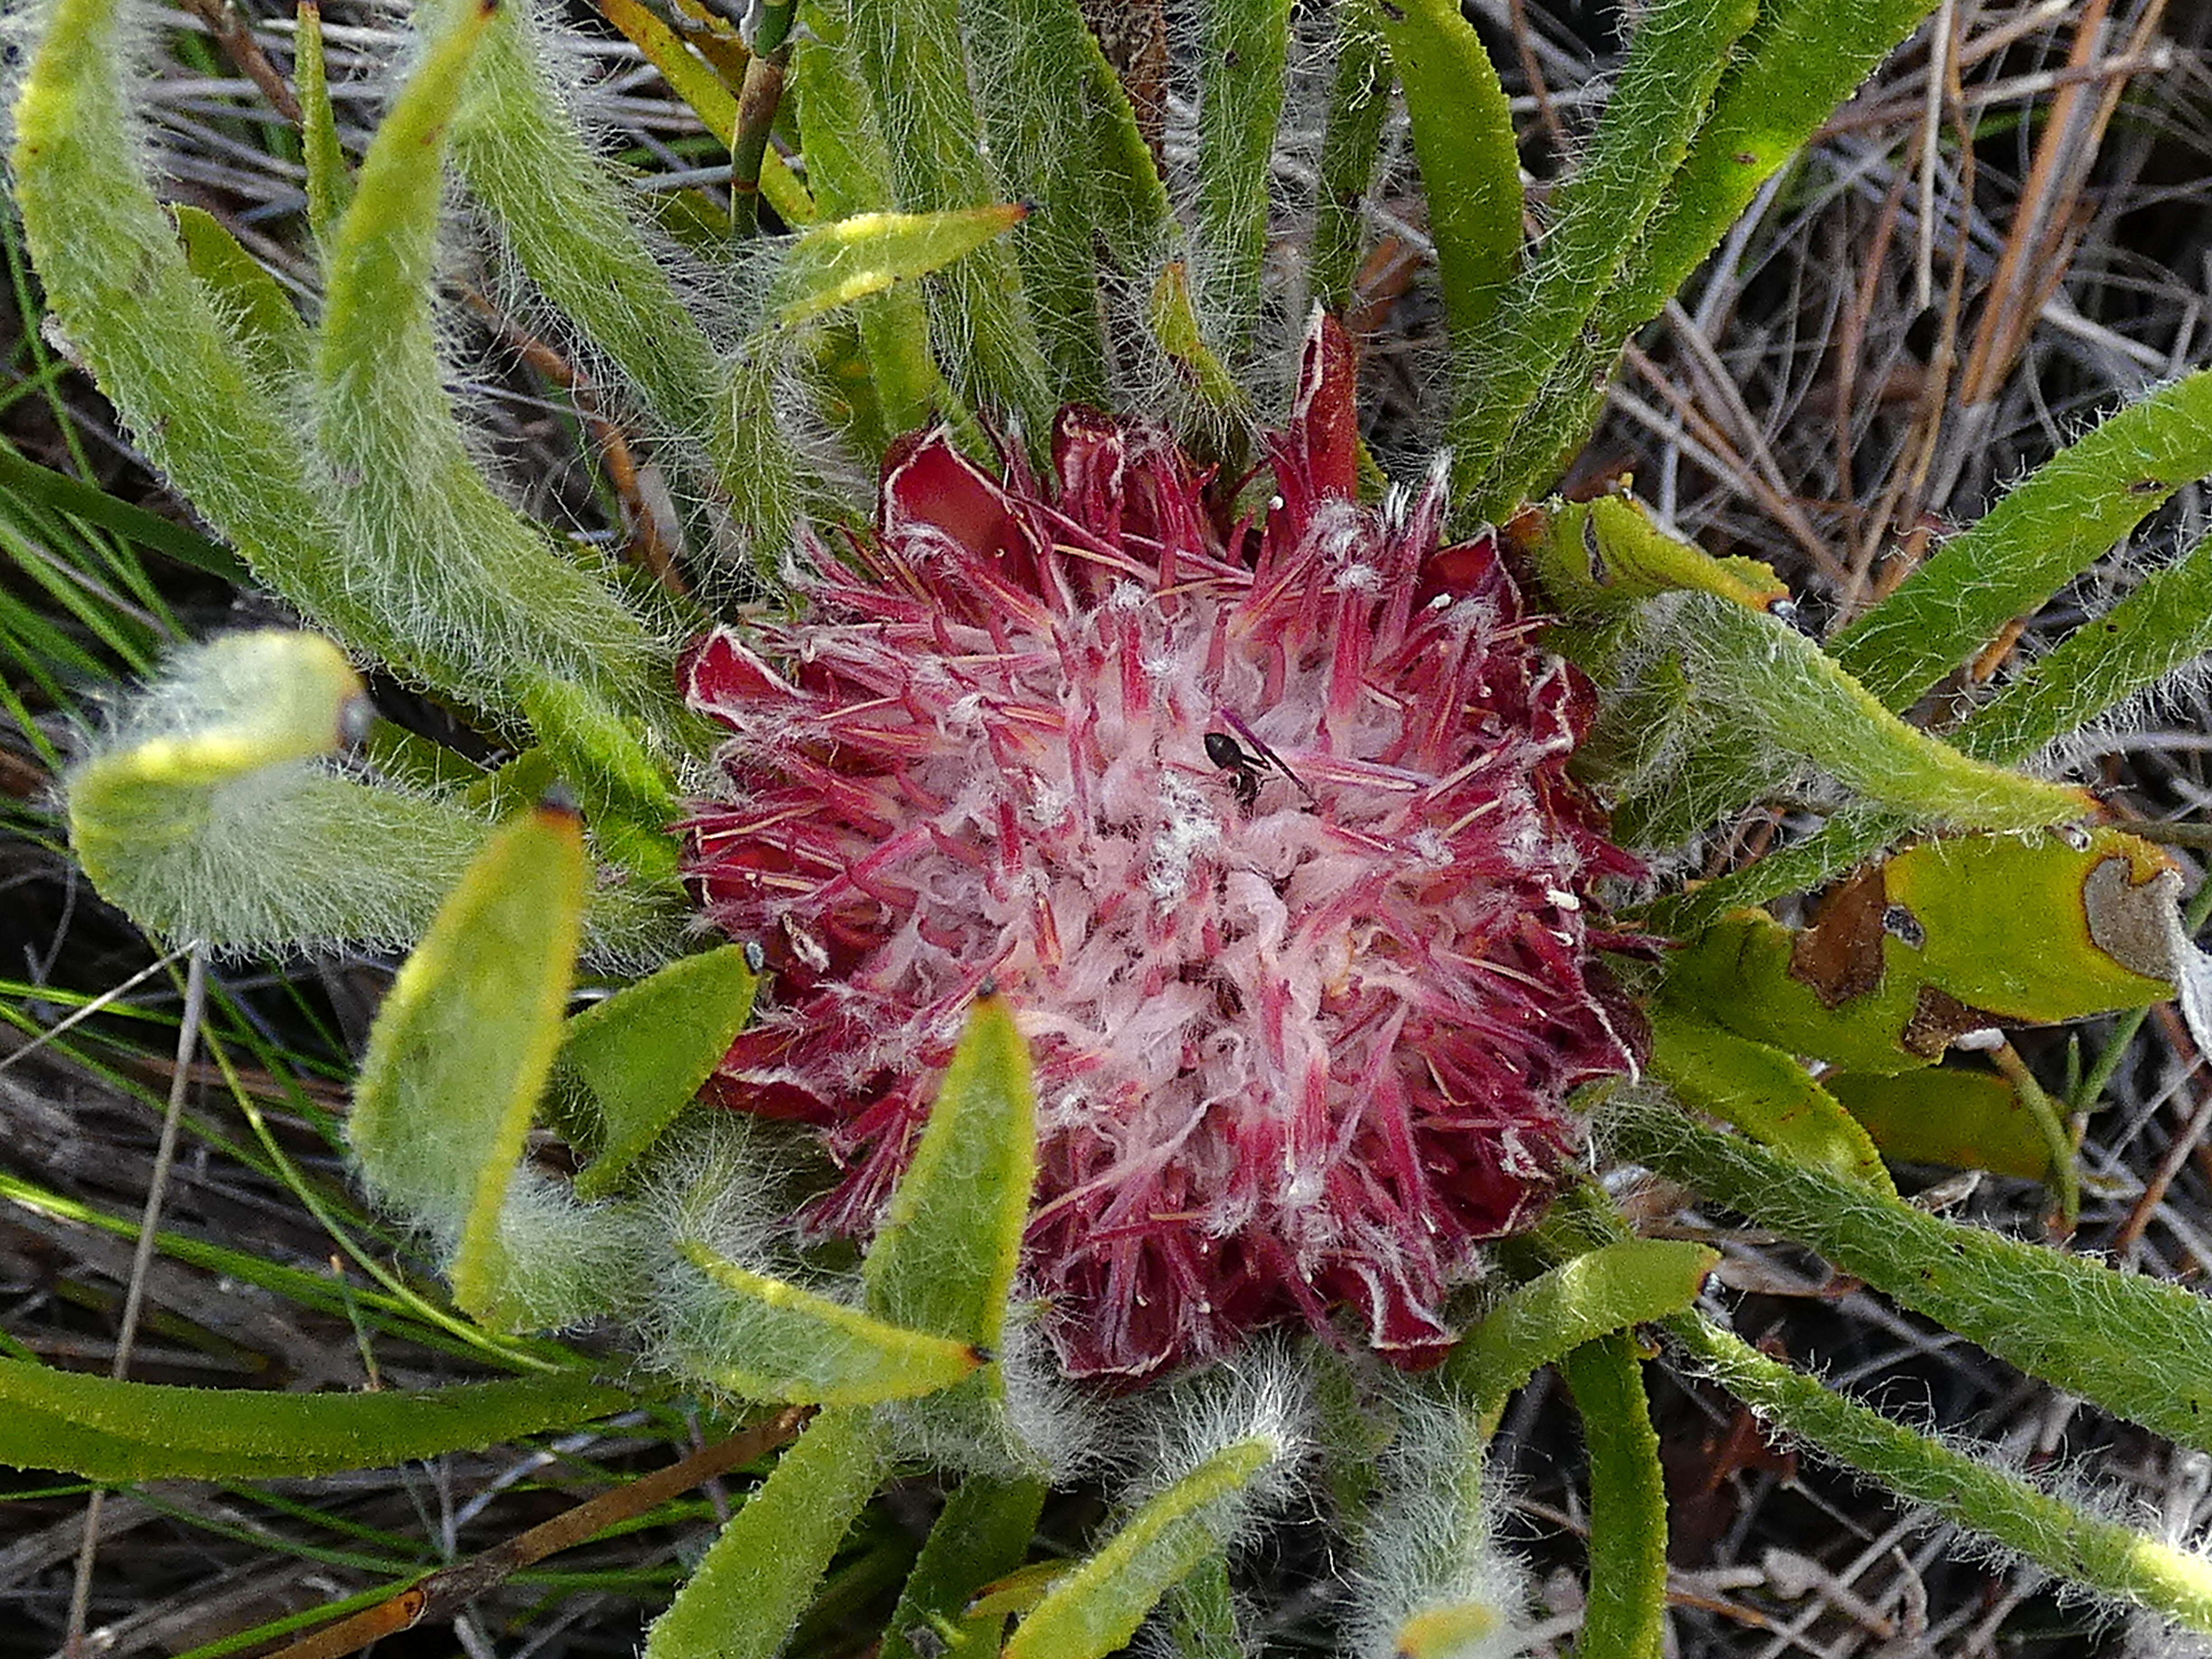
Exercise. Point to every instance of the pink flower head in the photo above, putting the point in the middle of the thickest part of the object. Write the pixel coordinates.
(1265, 831)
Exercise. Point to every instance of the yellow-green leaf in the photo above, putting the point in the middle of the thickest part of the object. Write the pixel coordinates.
(946, 1258)
(1763, 1091)
(1096, 1607)
(1964, 1119)
(793, 1345)
(833, 264)
(1906, 956)
(460, 1054)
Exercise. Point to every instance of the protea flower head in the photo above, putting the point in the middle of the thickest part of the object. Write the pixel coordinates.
(1265, 830)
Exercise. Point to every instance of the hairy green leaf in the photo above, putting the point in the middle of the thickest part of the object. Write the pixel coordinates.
(2044, 531)
(1966, 1490)
(793, 1345)
(1627, 1614)
(1096, 1606)
(945, 1259)
(1761, 1090)
(762, 1570)
(646, 1051)
(1616, 1286)
(1676, 57)
(2138, 1348)
(462, 1048)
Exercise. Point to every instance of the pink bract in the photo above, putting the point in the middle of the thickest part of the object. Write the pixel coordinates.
(1266, 832)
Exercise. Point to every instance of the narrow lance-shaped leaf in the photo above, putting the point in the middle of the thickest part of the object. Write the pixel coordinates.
(645, 1052)
(945, 1256)
(2138, 1348)
(491, 606)
(833, 264)
(788, 1343)
(1626, 1617)
(1239, 102)
(1470, 167)
(112, 1430)
(2160, 628)
(1965, 1120)
(204, 816)
(629, 797)
(117, 281)
(330, 181)
(761, 1570)
(1800, 60)
(1066, 140)
(276, 340)
(2085, 1548)
(1628, 1282)
(1604, 556)
(913, 57)
(2042, 534)
(1676, 56)
(1761, 1090)
(461, 1049)
(1096, 1607)
(1806, 704)
(1359, 106)
(849, 166)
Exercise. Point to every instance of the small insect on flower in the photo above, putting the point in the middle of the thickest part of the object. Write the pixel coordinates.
(1301, 1044)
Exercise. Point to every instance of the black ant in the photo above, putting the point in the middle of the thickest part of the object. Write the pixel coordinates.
(1244, 769)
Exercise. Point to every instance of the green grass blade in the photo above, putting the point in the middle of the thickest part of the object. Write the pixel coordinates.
(1470, 167)
(2045, 531)
(111, 1430)
(761, 1572)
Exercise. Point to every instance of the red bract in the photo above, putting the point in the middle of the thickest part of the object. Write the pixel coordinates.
(1266, 834)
